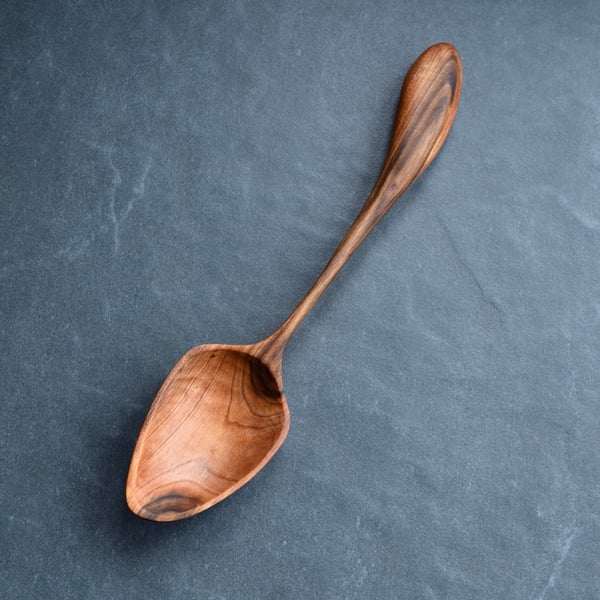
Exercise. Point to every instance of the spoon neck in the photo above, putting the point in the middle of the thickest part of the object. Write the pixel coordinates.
(271, 349)
(270, 352)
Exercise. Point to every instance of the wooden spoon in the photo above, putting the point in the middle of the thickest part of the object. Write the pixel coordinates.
(221, 414)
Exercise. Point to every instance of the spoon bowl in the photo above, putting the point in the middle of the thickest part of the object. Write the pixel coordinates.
(221, 414)
(222, 409)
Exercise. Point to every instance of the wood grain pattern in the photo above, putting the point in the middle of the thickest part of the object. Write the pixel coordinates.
(217, 418)
(221, 413)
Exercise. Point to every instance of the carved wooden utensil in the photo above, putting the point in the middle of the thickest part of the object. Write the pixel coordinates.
(221, 414)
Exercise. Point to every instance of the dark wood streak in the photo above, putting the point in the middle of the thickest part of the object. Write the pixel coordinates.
(221, 413)
(152, 492)
(263, 381)
(170, 503)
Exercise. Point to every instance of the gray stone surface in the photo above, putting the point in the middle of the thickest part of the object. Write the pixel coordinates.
(178, 173)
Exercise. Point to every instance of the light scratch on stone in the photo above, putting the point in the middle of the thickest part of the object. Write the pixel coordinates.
(140, 188)
(584, 219)
(572, 378)
(73, 250)
(471, 273)
(108, 152)
(554, 575)
(112, 195)
(106, 307)
(91, 388)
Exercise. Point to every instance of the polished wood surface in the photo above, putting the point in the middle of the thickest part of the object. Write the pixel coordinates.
(221, 414)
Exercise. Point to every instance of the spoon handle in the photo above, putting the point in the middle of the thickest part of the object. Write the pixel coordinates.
(428, 103)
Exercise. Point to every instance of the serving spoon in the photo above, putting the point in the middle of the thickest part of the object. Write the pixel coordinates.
(221, 414)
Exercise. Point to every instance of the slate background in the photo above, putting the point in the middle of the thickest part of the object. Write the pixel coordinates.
(178, 173)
